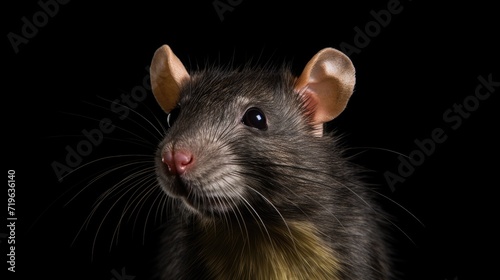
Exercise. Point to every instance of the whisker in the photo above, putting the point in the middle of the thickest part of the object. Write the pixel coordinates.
(103, 197)
(229, 199)
(137, 137)
(277, 211)
(106, 158)
(149, 184)
(160, 196)
(241, 224)
(107, 214)
(292, 202)
(258, 218)
(159, 133)
(380, 149)
(400, 206)
(133, 197)
(163, 205)
(218, 200)
(139, 200)
(338, 182)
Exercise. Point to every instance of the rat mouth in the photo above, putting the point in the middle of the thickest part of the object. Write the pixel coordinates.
(207, 198)
(217, 192)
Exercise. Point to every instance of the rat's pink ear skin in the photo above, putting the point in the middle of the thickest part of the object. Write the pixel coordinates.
(326, 84)
(167, 75)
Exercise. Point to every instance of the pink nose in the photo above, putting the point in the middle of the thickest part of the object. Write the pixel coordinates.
(177, 161)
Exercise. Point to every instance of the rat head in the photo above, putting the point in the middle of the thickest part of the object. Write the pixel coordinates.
(239, 139)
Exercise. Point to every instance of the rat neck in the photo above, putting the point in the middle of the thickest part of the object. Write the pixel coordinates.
(254, 251)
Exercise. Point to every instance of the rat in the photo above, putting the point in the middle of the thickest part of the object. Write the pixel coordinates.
(257, 188)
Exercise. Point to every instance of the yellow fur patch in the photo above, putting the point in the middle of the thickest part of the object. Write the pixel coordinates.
(271, 253)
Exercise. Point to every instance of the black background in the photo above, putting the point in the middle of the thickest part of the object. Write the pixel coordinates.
(425, 60)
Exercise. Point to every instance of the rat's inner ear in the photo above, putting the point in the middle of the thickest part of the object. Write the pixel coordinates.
(167, 75)
(326, 83)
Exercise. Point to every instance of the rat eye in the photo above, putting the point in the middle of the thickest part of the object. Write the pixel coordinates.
(254, 117)
(172, 116)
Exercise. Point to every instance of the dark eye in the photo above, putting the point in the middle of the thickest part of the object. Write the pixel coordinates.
(254, 117)
(172, 116)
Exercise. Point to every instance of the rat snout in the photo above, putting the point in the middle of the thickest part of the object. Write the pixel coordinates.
(177, 161)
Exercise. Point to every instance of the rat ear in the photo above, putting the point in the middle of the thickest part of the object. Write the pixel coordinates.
(167, 75)
(326, 83)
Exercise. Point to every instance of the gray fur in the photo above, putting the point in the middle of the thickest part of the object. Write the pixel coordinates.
(283, 174)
